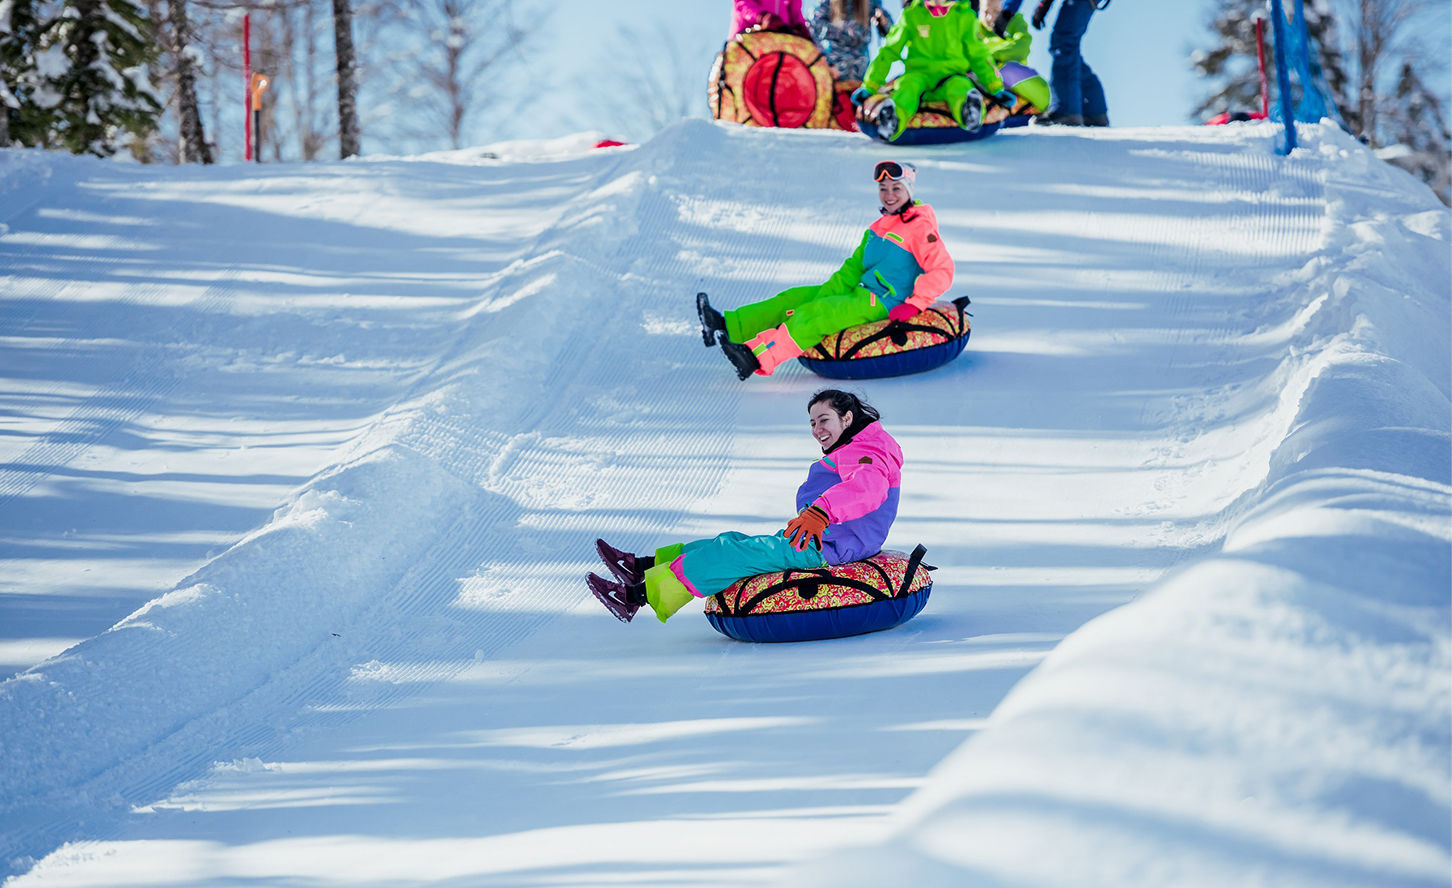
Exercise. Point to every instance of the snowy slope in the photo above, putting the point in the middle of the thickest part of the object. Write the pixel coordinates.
(365, 419)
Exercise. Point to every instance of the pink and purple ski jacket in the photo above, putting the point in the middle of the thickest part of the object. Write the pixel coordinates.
(857, 486)
(750, 12)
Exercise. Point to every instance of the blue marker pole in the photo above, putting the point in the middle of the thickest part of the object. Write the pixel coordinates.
(1283, 74)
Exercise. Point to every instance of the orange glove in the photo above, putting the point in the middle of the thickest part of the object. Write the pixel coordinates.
(807, 528)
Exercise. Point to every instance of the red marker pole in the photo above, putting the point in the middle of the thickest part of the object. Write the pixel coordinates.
(247, 83)
(1260, 57)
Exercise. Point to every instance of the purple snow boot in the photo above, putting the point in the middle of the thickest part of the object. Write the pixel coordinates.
(622, 601)
(628, 568)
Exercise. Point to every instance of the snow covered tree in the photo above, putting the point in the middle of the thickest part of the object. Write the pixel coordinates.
(19, 32)
(91, 83)
(7, 98)
(1229, 68)
(193, 145)
(1417, 136)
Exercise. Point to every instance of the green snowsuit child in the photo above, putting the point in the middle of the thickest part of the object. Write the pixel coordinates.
(938, 44)
(1013, 46)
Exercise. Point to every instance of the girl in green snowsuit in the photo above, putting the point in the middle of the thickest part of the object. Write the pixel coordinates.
(938, 44)
(899, 268)
(1006, 34)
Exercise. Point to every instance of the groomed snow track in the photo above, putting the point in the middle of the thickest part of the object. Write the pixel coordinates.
(455, 372)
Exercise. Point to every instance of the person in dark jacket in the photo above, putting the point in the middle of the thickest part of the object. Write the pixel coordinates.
(1078, 95)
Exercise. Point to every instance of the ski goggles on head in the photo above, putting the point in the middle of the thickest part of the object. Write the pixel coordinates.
(892, 171)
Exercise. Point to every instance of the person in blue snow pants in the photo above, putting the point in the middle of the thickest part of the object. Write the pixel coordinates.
(844, 509)
(1078, 95)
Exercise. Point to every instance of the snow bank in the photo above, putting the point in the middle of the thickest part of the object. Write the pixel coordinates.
(304, 579)
(236, 650)
(1277, 714)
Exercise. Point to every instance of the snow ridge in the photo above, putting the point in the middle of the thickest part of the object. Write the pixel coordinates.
(1314, 750)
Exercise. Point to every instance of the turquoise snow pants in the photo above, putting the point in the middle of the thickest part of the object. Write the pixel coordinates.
(708, 566)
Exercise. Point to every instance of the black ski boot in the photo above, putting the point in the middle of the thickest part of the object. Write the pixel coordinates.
(886, 121)
(627, 567)
(1054, 118)
(740, 357)
(972, 111)
(621, 600)
(712, 322)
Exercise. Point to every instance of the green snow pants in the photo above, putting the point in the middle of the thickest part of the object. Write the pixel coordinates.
(915, 87)
(810, 313)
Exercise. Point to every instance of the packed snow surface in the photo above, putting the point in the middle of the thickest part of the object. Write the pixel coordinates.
(301, 469)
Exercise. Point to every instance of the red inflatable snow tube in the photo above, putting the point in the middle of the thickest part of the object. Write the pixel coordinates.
(779, 89)
(767, 78)
(876, 593)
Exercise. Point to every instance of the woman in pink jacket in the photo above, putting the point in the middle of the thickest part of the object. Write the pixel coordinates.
(844, 510)
(770, 15)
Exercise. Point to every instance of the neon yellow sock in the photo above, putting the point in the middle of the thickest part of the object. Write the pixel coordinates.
(665, 592)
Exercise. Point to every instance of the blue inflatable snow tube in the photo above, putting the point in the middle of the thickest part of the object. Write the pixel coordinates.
(900, 364)
(874, 350)
(870, 595)
(940, 135)
(817, 625)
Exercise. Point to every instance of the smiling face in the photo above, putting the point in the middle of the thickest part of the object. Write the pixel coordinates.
(893, 194)
(827, 425)
(939, 8)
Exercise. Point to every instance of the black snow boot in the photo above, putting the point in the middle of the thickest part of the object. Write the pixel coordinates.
(712, 322)
(740, 357)
(1056, 119)
(621, 600)
(886, 122)
(972, 111)
(627, 567)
